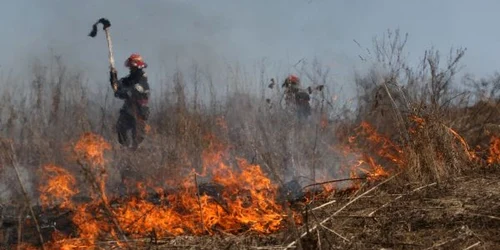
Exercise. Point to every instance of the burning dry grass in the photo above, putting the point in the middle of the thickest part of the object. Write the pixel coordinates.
(239, 198)
(436, 152)
(494, 150)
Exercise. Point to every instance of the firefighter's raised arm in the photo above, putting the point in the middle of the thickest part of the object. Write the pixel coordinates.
(122, 92)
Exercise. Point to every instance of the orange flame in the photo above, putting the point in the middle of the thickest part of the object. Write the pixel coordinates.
(59, 187)
(246, 201)
(470, 153)
(365, 154)
(494, 150)
(419, 124)
(91, 147)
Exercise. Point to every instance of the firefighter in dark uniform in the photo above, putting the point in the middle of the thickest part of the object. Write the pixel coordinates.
(134, 90)
(296, 97)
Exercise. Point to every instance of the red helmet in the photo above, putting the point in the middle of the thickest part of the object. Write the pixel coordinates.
(293, 79)
(135, 60)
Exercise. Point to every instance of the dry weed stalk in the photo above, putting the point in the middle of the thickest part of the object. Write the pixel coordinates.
(342, 208)
(27, 200)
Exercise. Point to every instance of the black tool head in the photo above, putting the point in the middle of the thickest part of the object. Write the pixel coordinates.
(105, 23)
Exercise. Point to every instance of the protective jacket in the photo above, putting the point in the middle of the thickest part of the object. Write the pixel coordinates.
(134, 90)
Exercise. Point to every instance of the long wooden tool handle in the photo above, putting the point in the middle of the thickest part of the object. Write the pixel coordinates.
(110, 56)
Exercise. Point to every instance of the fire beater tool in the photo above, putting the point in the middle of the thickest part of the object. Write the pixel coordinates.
(106, 24)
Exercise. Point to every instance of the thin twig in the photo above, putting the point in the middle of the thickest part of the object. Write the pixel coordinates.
(270, 248)
(319, 239)
(445, 242)
(138, 240)
(335, 180)
(363, 194)
(358, 191)
(144, 240)
(473, 245)
(318, 231)
(25, 194)
(395, 244)
(354, 216)
(397, 113)
(324, 205)
(475, 235)
(332, 231)
(485, 215)
(399, 197)
(342, 208)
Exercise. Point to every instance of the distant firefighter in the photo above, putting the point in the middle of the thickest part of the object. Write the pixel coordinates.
(296, 97)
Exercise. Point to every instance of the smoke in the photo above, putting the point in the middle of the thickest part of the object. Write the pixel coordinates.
(10, 189)
(221, 32)
(171, 35)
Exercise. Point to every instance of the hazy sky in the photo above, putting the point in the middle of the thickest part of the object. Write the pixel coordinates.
(224, 31)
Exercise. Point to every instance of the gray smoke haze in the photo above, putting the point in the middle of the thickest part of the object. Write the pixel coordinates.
(10, 189)
(219, 33)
